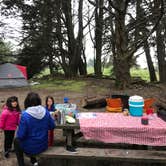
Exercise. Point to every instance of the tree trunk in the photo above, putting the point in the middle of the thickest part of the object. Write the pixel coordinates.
(47, 34)
(82, 64)
(122, 72)
(152, 73)
(94, 102)
(82, 68)
(98, 37)
(121, 60)
(161, 54)
(62, 52)
(66, 7)
(138, 29)
(75, 45)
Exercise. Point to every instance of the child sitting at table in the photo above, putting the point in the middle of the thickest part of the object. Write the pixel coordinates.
(51, 108)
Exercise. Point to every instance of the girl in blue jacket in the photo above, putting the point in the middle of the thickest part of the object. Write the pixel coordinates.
(32, 134)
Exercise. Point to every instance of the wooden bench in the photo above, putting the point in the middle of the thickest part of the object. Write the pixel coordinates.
(145, 156)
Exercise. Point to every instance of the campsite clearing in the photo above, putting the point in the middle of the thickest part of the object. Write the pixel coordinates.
(90, 88)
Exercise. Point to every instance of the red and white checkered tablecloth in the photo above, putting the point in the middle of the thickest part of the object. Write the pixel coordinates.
(117, 128)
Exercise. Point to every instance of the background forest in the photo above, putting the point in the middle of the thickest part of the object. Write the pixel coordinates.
(56, 34)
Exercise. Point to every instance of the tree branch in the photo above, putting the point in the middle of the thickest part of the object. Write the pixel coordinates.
(132, 51)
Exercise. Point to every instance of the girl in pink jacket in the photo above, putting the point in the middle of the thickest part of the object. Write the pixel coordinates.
(9, 120)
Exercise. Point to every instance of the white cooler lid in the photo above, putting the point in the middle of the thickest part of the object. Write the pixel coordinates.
(136, 98)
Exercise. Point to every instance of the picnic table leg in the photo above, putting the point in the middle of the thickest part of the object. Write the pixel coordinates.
(69, 137)
(75, 137)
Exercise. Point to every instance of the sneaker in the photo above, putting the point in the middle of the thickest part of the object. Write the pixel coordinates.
(36, 164)
(71, 149)
(33, 161)
(6, 154)
(74, 146)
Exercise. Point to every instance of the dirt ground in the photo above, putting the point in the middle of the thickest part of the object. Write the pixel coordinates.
(149, 90)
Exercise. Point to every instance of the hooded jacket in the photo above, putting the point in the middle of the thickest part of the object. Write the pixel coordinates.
(33, 129)
(9, 120)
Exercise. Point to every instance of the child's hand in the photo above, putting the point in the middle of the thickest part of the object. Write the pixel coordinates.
(56, 113)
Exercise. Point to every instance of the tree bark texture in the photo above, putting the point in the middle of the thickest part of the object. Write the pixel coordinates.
(121, 60)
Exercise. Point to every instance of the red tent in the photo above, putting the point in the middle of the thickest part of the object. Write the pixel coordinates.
(12, 75)
(23, 70)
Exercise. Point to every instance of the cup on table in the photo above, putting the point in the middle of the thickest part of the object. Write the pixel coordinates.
(149, 111)
(144, 120)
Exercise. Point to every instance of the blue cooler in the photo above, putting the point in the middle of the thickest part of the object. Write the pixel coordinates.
(136, 104)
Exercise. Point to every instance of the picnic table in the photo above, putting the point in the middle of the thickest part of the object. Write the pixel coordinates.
(69, 131)
(117, 128)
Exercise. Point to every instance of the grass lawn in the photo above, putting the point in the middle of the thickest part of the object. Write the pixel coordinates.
(80, 85)
(61, 84)
(143, 73)
(107, 71)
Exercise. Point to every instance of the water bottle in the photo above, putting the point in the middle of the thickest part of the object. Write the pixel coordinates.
(59, 117)
(65, 99)
(63, 117)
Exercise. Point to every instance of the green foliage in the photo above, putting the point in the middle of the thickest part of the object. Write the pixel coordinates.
(31, 57)
(106, 71)
(38, 41)
(48, 39)
(90, 70)
(44, 72)
(143, 73)
(5, 52)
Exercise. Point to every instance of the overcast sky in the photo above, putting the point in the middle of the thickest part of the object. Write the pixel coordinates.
(11, 30)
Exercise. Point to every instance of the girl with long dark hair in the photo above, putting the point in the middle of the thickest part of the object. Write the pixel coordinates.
(51, 108)
(9, 121)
